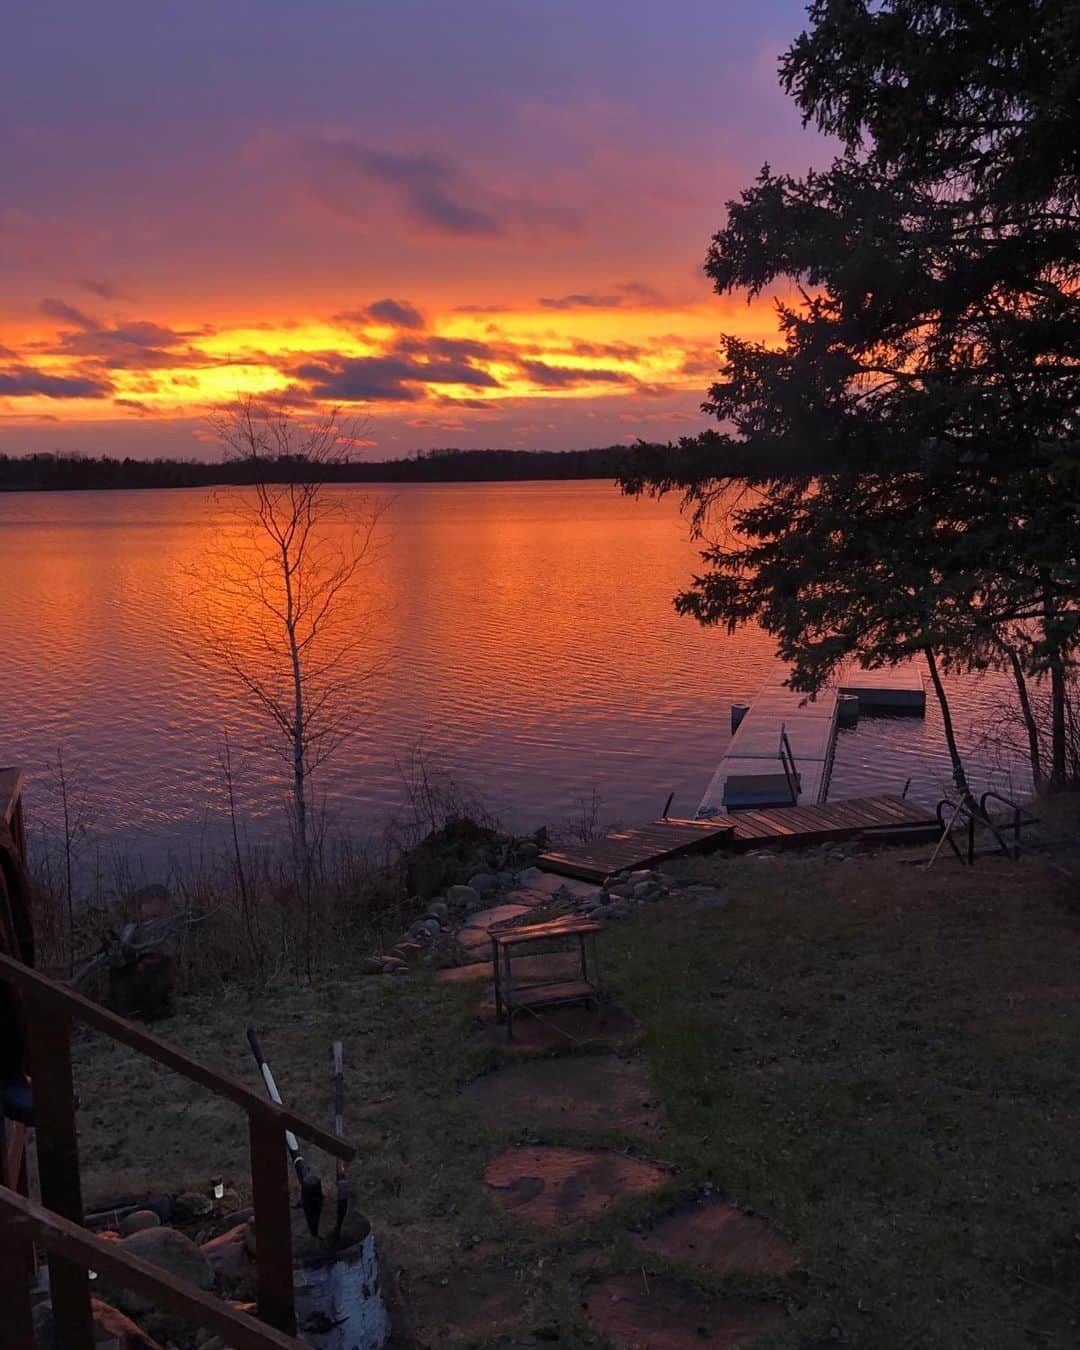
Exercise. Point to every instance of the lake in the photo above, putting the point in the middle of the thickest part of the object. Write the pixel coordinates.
(527, 644)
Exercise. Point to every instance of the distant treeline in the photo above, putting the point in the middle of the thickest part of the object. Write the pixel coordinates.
(65, 472)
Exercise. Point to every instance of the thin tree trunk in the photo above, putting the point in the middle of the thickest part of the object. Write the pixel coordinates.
(959, 776)
(246, 908)
(1058, 737)
(1026, 709)
(1057, 689)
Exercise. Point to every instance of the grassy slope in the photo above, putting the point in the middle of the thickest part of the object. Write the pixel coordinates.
(880, 1059)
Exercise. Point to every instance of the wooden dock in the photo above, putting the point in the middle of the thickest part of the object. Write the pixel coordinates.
(781, 752)
(641, 846)
(832, 822)
(770, 827)
(752, 772)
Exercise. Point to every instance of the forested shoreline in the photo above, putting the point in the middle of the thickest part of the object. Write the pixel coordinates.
(68, 472)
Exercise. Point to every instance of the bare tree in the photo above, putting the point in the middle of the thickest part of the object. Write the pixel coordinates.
(278, 598)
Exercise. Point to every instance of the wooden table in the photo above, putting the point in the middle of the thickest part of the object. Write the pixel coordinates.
(511, 995)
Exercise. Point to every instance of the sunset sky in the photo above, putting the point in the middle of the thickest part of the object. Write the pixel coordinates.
(470, 222)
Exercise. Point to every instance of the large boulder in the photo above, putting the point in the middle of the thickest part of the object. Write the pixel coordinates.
(438, 859)
(111, 1329)
(463, 897)
(228, 1254)
(172, 1251)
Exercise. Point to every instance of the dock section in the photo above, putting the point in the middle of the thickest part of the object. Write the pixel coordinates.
(757, 769)
(641, 846)
(781, 749)
(892, 689)
(884, 819)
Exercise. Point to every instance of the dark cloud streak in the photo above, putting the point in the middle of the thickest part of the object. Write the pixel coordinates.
(384, 378)
(393, 313)
(25, 382)
(60, 309)
(565, 377)
(431, 190)
(581, 301)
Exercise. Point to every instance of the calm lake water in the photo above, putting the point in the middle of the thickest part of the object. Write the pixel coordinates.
(527, 639)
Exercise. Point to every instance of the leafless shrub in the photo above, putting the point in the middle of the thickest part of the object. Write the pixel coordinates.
(587, 822)
(1005, 732)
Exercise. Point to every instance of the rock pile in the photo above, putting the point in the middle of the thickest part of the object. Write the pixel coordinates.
(223, 1264)
(453, 928)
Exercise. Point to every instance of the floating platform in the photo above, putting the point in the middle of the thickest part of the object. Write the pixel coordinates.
(892, 689)
(625, 850)
(752, 772)
(783, 742)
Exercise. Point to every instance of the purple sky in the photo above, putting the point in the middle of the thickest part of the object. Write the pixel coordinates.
(478, 223)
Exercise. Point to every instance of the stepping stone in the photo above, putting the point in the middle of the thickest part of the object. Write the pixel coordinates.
(467, 1305)
(527, 895)
(488, 918)
(550, 882)
(558, 1026)
(661, 1313)
(589, 1093)
(720, 1238)
(559, 1187)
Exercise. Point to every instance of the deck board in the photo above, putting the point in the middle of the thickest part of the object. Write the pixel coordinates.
(796, 826)
(641, 846)
(769, 827)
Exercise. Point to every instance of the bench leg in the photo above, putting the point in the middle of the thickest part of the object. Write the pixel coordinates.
(498, 982)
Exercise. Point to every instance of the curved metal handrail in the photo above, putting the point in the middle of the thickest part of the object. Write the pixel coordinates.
(1017, 821)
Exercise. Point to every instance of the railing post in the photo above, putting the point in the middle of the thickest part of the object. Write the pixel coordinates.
(58, 1159)
(18, 1333)
(273, 1222)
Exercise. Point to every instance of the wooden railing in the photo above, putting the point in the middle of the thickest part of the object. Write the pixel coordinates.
(51, 1010)
(22, 1222)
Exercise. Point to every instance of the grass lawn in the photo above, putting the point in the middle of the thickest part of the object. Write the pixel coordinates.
(881, 1060)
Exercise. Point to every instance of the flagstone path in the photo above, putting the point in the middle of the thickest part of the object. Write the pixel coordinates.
(561, 1190)
(562, 1187)
(720, 1238)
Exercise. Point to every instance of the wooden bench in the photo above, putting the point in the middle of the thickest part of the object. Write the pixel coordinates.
(514, 995)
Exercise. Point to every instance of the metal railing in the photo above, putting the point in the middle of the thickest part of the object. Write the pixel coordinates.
(976, 818)
(51, 1011)
(787, 761)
